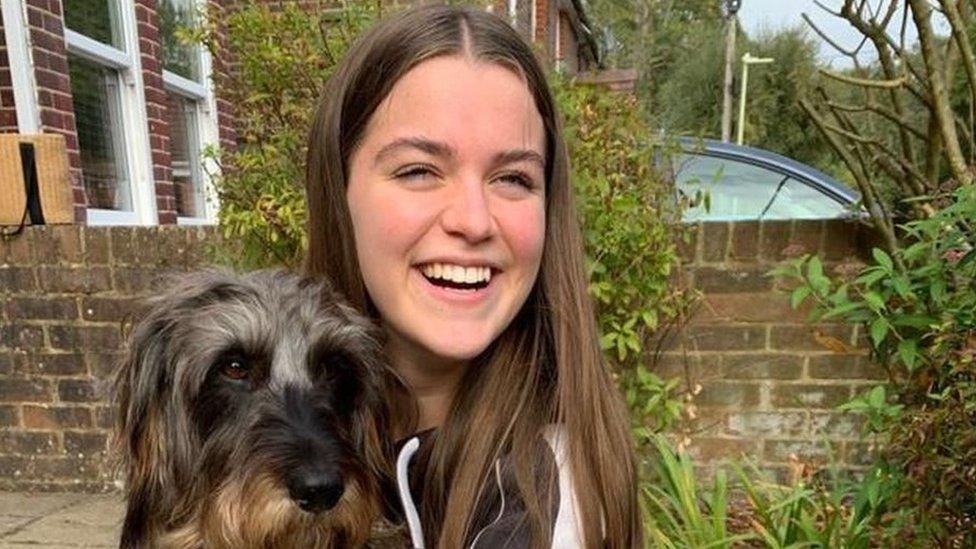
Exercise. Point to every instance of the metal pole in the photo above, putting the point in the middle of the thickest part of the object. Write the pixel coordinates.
(747, 59)
(740, 127)
(731, 7)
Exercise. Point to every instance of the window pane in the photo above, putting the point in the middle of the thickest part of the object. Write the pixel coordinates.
(184, 146)
(798, 201)
(98, 118)
(96, 19)
(742, 191)
(179, 58)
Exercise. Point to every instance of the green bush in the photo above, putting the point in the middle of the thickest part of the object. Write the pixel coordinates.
(283, 58)
(918, 306)
(630, 231)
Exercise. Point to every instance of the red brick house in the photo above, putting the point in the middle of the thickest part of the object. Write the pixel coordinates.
(136, 108)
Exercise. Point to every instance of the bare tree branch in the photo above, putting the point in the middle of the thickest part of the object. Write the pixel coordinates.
(881, 221)
(864, 82)
(840, 49)
(883, 112)
(922, 14)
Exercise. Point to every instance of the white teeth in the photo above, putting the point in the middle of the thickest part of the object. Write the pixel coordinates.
(457, 273)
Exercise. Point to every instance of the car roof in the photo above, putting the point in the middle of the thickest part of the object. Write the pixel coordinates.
(772, 161)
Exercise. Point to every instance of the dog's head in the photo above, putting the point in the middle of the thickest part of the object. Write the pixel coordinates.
(250, 410)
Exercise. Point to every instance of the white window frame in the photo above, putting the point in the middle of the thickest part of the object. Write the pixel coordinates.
(207, 131)
(20, 56)
(133, 120)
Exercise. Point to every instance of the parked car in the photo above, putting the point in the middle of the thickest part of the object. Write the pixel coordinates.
(746, 183)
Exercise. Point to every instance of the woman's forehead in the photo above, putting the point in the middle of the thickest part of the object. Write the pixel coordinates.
(461, 101)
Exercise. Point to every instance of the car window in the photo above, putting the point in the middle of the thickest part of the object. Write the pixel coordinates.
(740, 191)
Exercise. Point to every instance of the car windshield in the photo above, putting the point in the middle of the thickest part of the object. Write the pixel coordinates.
(741, 191)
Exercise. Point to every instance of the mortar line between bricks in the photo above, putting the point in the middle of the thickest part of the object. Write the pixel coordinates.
(17, 529)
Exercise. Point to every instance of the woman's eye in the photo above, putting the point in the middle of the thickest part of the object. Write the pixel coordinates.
(234, 368)
(519, 179)
(415, 173)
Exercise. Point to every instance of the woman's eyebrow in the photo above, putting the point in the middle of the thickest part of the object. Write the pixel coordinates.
(433, 148)
(443, 150)
(518, 155)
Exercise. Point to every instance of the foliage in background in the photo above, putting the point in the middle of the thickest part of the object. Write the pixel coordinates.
(831, 509)
(689, 101)
(283, 57)
(678, 49)
(918, 307)
(903, 126)
(650, 36)
(628, 220)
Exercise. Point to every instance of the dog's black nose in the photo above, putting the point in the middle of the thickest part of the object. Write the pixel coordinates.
(316, 492)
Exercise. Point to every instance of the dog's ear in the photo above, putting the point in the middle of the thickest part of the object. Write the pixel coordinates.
(151, 437)
(373, 413)
(142, 386)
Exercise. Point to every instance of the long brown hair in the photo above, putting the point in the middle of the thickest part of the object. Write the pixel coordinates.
(546, 367)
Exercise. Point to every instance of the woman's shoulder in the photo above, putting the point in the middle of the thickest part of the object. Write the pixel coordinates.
(504, 523)
(507, 527)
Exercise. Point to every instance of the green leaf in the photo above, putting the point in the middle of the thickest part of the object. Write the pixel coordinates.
(842, 309)
(815, 268)
(908, 351)
(901, 286)
(870, 276)
(882, 258)
(914, 321)
(879, 330)
(798, 295)
(815, 275)
(650, 318)
(874, 300)
(876, 398)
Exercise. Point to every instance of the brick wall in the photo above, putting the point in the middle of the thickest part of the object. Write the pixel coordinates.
(567, 52)
(150, 53)
(222, 65)
(45, 24)
(8, 111)
(65, 293)
(768, 380)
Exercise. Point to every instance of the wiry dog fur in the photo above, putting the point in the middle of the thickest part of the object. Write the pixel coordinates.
(213, 458)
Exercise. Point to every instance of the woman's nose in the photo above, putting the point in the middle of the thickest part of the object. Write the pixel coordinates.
(468, 213)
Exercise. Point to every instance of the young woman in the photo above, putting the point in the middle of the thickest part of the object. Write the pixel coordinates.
(440, 203)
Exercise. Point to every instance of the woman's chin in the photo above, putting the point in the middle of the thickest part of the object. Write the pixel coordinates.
(458, 350)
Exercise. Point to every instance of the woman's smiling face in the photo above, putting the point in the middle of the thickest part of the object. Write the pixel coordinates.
(446, 192)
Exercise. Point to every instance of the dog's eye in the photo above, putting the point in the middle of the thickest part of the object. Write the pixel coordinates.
(234, 368)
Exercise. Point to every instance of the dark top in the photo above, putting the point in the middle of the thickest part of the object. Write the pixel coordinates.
(505, 522)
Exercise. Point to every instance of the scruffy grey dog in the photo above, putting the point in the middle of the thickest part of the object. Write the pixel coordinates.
(250, 415)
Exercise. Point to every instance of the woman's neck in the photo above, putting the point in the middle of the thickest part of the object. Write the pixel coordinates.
(432, 380)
